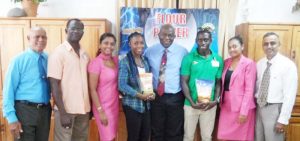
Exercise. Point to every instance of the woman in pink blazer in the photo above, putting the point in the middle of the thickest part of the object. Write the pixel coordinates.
(237, 115)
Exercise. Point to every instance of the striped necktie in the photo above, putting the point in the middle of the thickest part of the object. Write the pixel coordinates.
(264, 87)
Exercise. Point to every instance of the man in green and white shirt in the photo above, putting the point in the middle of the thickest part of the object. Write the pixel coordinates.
(200, 64)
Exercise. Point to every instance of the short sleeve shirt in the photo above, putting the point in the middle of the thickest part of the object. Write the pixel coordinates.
(198, 67)
(65, 65)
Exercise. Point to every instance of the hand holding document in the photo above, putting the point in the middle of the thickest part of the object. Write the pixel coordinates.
(146, 82)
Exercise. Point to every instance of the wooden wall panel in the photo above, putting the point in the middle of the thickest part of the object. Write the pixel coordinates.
(54, 30)
(295, 52)
(122, 129)
(92, 32)
(13, 41)
(293, 129)
(255, 39)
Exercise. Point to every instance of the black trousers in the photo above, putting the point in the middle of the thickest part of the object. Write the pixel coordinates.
(35, 122)
(138, 124)
(167, 117)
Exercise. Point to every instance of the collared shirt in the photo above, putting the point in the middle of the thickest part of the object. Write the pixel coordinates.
(175, 54)
(282, 86)
(198, 67)
(130, 85)
(65, 65)
(23, 82)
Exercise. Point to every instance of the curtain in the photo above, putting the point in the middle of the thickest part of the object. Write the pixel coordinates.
(186, 4)
(228, 10)
(148, 3)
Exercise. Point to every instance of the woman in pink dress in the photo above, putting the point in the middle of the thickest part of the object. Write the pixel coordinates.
(237, 115)
(103, 85)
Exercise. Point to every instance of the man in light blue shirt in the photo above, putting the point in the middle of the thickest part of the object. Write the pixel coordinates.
(175, 54)
(26, 91)
(167, 108)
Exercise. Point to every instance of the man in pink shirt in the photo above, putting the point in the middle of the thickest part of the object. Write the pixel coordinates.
(67, 72)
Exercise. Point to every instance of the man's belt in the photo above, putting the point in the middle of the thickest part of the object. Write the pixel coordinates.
(37, 105)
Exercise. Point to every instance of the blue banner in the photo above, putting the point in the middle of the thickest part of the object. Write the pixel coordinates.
(185, 21)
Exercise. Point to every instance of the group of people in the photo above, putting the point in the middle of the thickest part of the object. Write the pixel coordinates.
(255, 99)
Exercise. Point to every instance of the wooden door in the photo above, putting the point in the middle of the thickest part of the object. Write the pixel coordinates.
(294, 126)
(255, 39)
(12, 42)
(92, 32)
(295, 56)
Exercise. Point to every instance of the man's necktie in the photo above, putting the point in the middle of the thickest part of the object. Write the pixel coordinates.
(264, 87)
(43, 75)
(41, 67)
(162, 69)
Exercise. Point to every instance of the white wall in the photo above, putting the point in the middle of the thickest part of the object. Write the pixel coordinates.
(273, 11)
(5, 5)
(71, 8)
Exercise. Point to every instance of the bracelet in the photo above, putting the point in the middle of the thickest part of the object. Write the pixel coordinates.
(99, 108)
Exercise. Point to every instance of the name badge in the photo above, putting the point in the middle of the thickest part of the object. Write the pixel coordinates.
(215, 63)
